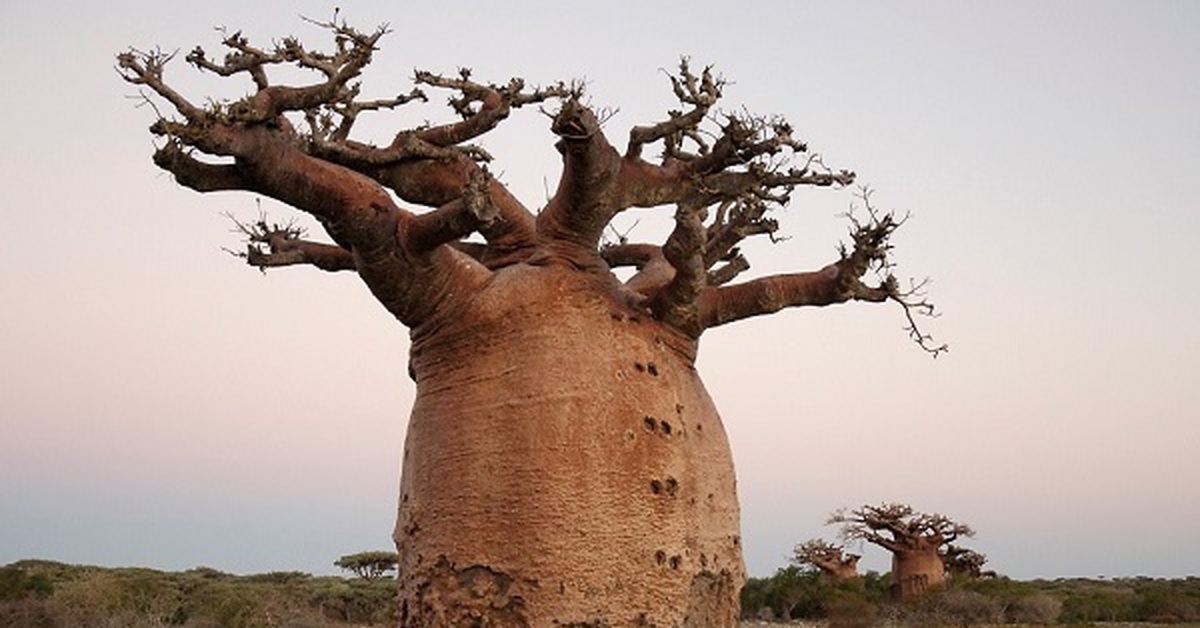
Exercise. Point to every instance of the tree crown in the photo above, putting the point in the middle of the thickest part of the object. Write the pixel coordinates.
(898, 527)
(722, 172)
(370, 565)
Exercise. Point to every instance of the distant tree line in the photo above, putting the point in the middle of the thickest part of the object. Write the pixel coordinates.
(46, 594)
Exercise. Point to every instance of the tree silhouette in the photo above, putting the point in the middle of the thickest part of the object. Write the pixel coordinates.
(369, 565)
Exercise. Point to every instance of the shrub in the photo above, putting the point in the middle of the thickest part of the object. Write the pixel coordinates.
(1035, 608)
(850, 609)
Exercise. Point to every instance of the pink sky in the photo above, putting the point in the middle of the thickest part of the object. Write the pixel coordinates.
(163, 405)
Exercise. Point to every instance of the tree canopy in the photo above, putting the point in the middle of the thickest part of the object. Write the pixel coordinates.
(370, 565)
(723, 171)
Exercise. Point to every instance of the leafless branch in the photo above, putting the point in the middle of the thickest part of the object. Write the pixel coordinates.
(282, 244)
(699, 93)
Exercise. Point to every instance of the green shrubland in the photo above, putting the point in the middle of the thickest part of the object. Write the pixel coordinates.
(47, 594)
(44, 594)
(794, 593)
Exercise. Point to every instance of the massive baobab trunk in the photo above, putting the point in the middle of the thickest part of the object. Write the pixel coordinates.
(597, 488)
(917, 542)
(916, 569)
(564, 465)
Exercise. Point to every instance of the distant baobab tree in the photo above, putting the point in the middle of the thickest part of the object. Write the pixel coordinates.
(563, 463)
(917, 541)
(830, 559)
(964, 563)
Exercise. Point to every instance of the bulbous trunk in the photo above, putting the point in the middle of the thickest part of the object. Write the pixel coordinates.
(840, 571)
(564, 466)
(916, 570)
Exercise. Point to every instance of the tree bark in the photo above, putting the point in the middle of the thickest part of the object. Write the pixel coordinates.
(597, 490)
(916, 570)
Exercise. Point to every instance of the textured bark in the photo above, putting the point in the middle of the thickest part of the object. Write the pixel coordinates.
(598, 489)
(563, 464)
(916, 570)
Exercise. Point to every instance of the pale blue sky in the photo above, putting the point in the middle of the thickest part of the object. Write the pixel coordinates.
(163, 405)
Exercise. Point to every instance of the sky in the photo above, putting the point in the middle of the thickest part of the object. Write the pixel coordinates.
(163, 405)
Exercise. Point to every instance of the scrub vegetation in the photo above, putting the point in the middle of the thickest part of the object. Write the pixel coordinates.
(796, 593)
(46, 594)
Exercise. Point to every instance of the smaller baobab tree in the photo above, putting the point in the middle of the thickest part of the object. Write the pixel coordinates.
(963, 563)
(830, 559)
(916, 540)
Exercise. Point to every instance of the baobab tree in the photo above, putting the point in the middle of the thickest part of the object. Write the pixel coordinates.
(834, 564)
(917, 541)
(964, 563)
(563, 464)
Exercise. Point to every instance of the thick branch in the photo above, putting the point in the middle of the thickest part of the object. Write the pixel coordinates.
(436, 182)
(675, 304)
(768, 295)
(584, 203)
(452, 221)
(654, 271)
(728, 271)
(198, 175)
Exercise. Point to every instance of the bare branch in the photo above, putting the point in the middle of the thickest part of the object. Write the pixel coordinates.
(274, 244)
(481, 107)
(353, 52)
(870, 254)
(724, 172)
(698, 93)
(146, 68)
(905, 528)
